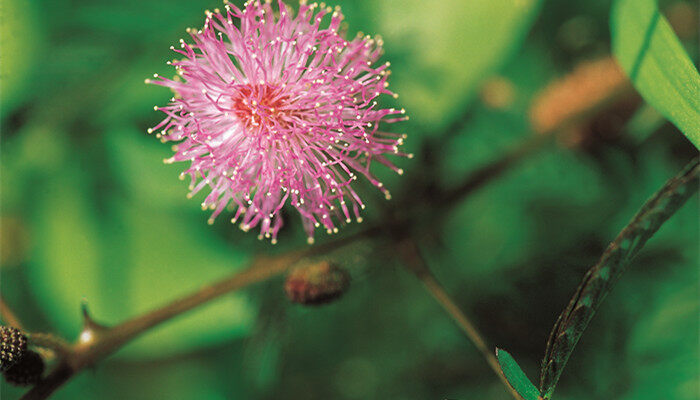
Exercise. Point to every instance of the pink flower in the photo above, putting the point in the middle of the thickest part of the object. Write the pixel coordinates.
(270, 108)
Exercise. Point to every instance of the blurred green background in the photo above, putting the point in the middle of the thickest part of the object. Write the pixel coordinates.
(90, 213)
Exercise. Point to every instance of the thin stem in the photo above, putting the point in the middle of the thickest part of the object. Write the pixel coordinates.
(494, 169)
(417, 264)
(9, 316)
(533, 142)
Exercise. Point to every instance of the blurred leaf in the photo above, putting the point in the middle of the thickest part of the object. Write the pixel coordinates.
(128, 97)
(441, 50)
(137, 160)
(145, 22)
(600, 279)
(495, 228)
(516, 377)
(664, 344)
(36, 150)
(19, 49)
(126, 260)
(644, 123)
(657, 64)
(169, 257)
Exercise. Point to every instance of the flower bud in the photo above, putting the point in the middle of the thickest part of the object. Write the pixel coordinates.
(27, 371)
(316, 283)
(13, 345)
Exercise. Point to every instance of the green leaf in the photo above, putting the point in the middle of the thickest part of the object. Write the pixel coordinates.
(658, 66)
(601, 278)
(137, 160)
(440, 51)
(516, 377)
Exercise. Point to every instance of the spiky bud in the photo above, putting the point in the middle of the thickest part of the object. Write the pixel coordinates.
(316, 283)
(13, 345)
(27, 371)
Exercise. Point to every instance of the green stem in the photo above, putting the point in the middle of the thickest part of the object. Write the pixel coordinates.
(417, 264)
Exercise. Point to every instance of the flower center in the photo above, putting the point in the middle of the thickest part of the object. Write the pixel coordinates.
(262, 108)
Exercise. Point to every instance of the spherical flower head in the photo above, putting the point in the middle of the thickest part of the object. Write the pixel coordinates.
(272, 108)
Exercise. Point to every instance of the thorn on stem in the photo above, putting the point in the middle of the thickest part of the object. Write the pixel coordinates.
(90, 327)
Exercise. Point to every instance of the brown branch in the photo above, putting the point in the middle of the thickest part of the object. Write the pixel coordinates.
(48, 341)
(416, 263)
(97, 342)
(100, 343)
(112, 339)
(60, 375)
(8, 315)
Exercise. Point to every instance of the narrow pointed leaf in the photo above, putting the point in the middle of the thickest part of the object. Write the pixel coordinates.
(516, 377)
(600, 279)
